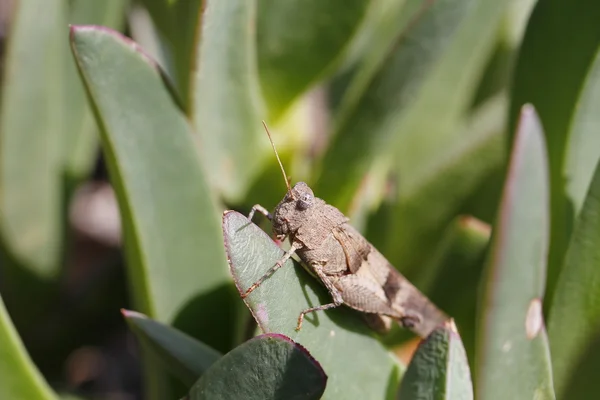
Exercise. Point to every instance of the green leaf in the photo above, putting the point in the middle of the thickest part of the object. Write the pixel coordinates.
(452, 278)
(584, 379)
(179, 23)
(81, 141)
(555, 73)
(583, 151)
(226, 107)
(512, 347)
(270, 366)
(430, 67)
(573, 321)
(31, 139)
(18, 374)
(185, 357)
(300, 42)
(439, 369)
(173, 245)
(430, 198)
(337, 338)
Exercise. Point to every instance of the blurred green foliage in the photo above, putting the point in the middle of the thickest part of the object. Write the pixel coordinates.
(460, 137)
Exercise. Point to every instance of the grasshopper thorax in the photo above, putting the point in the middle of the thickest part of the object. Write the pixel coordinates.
(292, 211)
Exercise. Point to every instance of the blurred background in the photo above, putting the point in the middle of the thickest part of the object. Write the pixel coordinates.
(398, 112)
(70, 323)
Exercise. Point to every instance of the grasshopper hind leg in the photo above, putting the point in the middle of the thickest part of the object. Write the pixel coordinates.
(313, 309)
(333, 291)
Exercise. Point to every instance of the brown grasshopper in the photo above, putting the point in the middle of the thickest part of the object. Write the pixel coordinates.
(352, 270)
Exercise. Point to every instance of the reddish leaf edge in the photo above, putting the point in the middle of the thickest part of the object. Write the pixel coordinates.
(303, 350)
(240, 289)
(131, 44)
(74, 29)
(277, 336)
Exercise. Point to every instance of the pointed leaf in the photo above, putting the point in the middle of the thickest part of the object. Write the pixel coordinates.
(18, 374)
(550, 74)
(169, 219)
(583, 150)
(337, 338)
(31, 136)
(226, 107)
(186, 357)
(270, 366)
(511, 328)
(573, 322)
(439, 369)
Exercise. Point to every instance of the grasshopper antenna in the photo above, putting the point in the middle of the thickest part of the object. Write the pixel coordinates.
(285, 177)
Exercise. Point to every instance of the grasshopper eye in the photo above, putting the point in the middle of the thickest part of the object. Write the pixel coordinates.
(305, 201)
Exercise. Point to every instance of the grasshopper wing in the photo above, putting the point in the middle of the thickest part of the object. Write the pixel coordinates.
(376, 287)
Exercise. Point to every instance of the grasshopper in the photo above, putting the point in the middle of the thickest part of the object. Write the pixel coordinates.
(354, 272)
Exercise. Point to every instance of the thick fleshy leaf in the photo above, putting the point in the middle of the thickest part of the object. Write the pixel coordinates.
(18, 374)
(270, 366)
(186, 357)
(511, 328)
(429, 70)
(31, 139)
(226, 106)
(170, 222)
(583, 151)
(81, 140)
(556, 73)
(573, 325)
(299, 42)
(357, 364)
(439, 369)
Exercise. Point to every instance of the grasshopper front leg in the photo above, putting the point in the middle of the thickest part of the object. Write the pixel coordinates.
(278, 264)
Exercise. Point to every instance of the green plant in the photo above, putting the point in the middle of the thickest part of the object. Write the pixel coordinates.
(458, 136)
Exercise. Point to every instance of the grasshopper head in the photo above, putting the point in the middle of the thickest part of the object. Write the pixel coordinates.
(292, 211)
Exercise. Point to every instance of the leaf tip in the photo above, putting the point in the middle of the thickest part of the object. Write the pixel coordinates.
(75, 29)
(118, 36)
(528, 110)
(72, 29)
(529, 121)
(128, 314)
(470, 222)
(451, 326)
